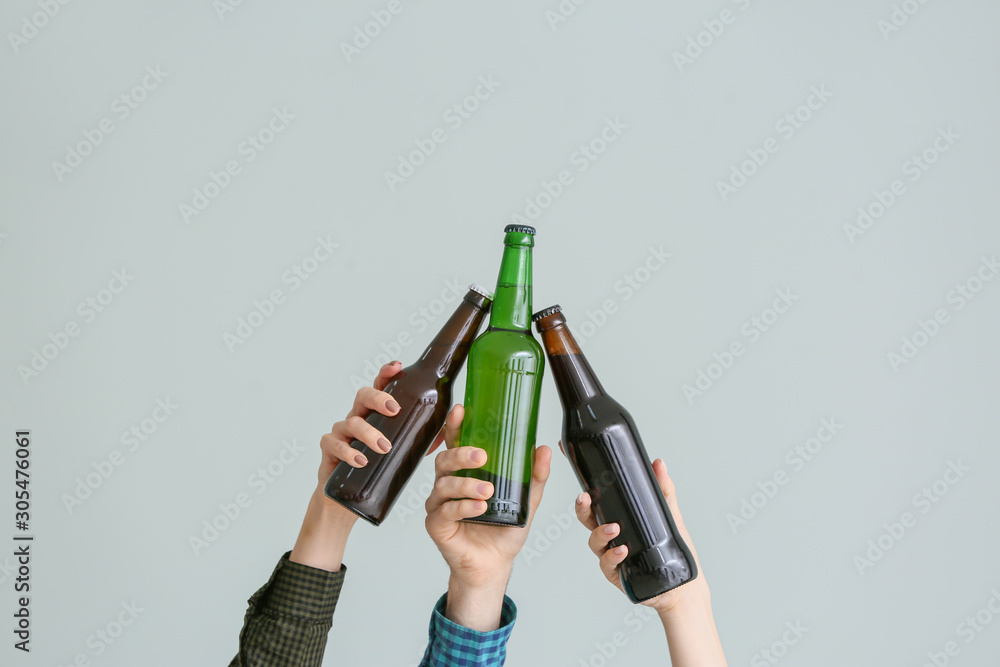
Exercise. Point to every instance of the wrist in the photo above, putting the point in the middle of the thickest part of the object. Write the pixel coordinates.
(685, 600)
(323, 536)
(476, 602)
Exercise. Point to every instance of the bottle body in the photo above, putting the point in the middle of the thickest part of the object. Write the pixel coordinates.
(423, 392)
(606, 452)
(604, 447)
(503, 387)
(371, 491)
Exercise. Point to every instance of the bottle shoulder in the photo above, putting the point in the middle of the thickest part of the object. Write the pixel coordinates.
(599, 416)
(418, 384)
(514, 342)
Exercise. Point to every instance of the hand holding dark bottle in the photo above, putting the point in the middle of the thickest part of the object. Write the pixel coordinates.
(686, 612)
(327, 524)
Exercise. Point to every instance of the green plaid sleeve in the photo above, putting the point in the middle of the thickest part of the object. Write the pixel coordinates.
(288, 619)
(454, 645)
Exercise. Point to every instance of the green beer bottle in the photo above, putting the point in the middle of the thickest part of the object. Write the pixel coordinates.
(503, 385)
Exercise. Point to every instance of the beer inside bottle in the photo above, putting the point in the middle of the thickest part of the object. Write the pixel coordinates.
(503, 386)
(603, 445)
(423, 391)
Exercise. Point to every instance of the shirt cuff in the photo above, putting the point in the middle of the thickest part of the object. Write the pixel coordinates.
(454, 644)
(300, 590)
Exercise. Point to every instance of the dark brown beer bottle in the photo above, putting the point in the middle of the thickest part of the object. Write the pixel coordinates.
(603, 445)
(423, 391)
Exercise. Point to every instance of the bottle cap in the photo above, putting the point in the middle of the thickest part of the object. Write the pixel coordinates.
(522, 229)
(482, 291)
(551, 310)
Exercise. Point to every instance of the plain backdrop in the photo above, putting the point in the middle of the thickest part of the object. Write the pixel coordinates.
(823, 548)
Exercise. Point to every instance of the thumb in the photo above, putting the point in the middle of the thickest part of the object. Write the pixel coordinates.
(539, 476)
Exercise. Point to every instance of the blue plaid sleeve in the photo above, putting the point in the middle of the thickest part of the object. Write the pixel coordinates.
(453, 645)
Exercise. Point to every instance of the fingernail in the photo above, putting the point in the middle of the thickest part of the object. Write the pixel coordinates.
(383, 444)
(392, 405)
(393, 363)
(483, 488)
(611, 529)
(478, 456)
(579, 499)
(619, 550)
(361, 460)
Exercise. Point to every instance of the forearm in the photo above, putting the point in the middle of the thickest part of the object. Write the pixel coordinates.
(690, 629)
(323, 536)
(476, 606)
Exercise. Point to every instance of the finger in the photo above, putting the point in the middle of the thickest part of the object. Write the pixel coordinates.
(611, 559)
(438, 439)
(340, 449)
(539, 476)
(453, 425)
(449, 488)
(669, 492)
(461, 458)
(450, 431)
(368, 399)
(601, 536)
(358, 429)
(452, 512)
(385, 374)
(584, 512)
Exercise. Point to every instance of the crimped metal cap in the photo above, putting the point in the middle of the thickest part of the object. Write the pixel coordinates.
(523, 229)
(545, 313)
(482, 291)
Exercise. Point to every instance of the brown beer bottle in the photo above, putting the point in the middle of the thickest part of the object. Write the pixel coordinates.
(603, 445)
(423, 391)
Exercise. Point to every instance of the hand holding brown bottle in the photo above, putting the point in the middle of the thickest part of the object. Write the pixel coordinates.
(327, 525)
(686, 612)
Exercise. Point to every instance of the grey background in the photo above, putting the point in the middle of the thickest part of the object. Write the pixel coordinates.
(654, 186)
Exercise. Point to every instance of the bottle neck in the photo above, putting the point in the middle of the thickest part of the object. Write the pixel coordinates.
(575, 379)
(446, 353)
(512, 301)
